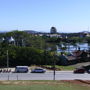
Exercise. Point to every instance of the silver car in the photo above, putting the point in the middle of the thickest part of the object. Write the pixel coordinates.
(38, 70)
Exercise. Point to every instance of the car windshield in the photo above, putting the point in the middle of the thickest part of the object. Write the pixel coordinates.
(38, 69)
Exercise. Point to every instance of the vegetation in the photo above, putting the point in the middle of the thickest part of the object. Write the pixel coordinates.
(65, 68)
(24, 56)
(42, 85)
(28, 49)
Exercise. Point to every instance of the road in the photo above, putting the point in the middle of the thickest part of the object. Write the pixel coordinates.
(60, 75)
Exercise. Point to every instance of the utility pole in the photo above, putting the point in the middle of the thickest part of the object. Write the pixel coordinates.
(7, 60)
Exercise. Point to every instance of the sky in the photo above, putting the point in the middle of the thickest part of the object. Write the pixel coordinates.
(41, 15)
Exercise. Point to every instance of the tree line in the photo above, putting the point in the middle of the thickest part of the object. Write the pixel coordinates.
(31, 51)
(28, 49)
(24, 56)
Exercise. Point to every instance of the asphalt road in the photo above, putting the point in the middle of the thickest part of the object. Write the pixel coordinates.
(60, 75)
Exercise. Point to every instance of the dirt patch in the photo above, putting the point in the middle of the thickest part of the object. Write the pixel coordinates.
(78, 82)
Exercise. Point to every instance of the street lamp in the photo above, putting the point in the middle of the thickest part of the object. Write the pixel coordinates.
(54, 73)
(54, 63)
(7, 60)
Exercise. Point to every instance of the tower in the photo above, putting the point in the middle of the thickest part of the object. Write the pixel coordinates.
(53, 30)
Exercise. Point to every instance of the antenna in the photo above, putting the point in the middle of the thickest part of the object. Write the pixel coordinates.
(88, 28)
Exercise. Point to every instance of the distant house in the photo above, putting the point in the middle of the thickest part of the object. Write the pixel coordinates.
(85, 34)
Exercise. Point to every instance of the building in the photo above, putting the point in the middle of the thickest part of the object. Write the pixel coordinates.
(53, 30)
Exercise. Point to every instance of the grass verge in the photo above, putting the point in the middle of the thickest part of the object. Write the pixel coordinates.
(42, 85)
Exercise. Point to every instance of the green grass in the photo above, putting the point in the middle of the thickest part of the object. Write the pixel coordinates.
(66, 67)
(42, 85)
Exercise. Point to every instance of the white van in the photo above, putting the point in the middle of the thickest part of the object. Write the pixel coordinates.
(21, 69)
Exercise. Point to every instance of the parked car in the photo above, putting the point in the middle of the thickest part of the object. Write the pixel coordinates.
(88, 71)
(80, 70)
(87, 68)
(38, 70)
(21, 69)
